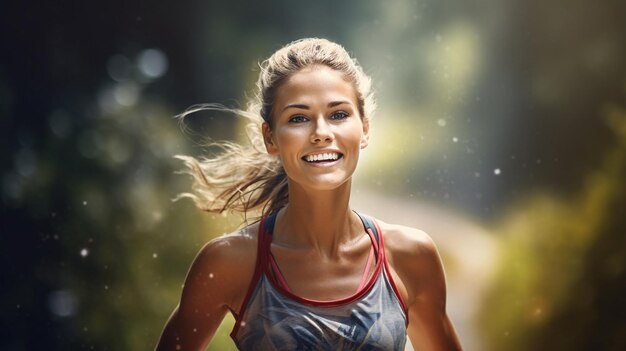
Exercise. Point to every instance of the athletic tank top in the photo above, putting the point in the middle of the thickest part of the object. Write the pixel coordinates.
(273, 318)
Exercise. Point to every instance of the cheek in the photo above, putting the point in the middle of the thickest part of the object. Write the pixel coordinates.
(288, 140)
(355, 134)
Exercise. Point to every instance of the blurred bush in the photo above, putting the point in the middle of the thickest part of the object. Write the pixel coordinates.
(562, 275)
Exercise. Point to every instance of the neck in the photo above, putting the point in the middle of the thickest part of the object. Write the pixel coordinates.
(318, 220)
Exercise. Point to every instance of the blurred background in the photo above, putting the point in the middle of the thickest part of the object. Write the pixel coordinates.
(501, 131)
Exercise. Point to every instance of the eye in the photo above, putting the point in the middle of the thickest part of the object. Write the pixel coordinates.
(298, 119)
(339, 115)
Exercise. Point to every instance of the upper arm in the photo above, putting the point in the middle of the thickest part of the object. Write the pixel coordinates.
(419, 266)
(213, 281)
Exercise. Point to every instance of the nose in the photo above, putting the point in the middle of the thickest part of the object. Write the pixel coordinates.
(322, 131)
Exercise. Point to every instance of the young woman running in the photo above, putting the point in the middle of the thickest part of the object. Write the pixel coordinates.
(312, 274)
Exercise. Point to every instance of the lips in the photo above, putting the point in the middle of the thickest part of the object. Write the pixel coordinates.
(329, 156)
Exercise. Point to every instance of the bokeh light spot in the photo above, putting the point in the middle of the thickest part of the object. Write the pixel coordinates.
(119, 68)
(62, 303)
(25, 162)
(60, 123)
(153, 63)
(126, 94)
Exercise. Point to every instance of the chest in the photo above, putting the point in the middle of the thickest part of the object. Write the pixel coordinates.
(313, 277)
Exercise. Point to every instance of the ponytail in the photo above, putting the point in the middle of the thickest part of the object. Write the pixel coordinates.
(242, 178)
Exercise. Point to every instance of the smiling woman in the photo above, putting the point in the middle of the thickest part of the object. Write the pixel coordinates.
(311, 273)
(318, 122)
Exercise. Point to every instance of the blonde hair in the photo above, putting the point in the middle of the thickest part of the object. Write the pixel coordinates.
(246, 178)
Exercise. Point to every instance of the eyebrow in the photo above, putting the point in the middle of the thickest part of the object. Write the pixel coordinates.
(306, 107)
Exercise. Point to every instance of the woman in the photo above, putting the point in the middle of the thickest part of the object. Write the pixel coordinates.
(312, 273)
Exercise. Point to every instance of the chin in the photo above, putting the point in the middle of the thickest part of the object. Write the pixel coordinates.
(327, 183)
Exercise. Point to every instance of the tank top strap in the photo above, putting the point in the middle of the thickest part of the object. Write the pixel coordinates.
(264, 254)
(372, 229)
(264, 240)
(267, 226)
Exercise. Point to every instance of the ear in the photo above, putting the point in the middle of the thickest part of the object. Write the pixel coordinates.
(365, 137)
(270, 145)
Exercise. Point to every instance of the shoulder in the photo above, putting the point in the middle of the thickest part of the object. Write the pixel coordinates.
(414, 257)
(231, 248)
(224, 267)
(402, 242)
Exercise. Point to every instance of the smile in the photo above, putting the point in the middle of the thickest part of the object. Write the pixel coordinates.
(323, 157)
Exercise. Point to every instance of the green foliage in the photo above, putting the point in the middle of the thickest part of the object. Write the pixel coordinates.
(563, 267)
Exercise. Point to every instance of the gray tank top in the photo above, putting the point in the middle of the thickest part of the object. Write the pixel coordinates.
(273, 318)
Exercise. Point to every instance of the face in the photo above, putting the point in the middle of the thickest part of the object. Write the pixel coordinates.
(317, 130)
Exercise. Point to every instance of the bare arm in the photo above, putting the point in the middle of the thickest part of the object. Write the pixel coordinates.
(212, 286)
(419, 266)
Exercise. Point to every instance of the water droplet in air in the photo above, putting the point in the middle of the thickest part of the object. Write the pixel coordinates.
(84, 252)
(496, 171)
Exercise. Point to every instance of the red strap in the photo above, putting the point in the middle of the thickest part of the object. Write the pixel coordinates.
(261, 261)
(389, 276)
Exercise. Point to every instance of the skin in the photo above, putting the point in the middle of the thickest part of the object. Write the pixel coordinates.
(318, 242)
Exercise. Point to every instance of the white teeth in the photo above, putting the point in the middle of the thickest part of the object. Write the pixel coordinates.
(322, 157)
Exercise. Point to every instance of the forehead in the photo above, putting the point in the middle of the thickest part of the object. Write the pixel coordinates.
(315, 85)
